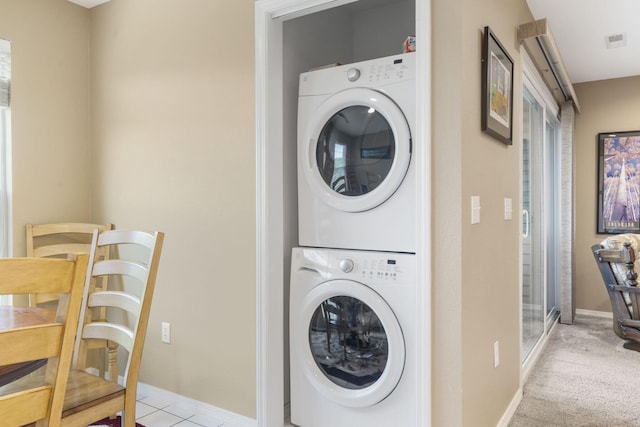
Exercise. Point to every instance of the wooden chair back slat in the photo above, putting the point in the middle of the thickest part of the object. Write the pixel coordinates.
(40, 402)
(121, 300)
(25, 407)
(31, 343)
(119, 334)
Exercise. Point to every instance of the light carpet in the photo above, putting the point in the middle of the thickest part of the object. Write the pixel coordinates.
(583, 378)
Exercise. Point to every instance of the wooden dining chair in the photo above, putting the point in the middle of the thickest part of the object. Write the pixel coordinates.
(130, 273)
(58, 240)
(40, 401)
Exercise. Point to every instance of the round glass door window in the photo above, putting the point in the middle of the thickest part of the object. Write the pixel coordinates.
(348, 342)
(355, 150)
(358, 152)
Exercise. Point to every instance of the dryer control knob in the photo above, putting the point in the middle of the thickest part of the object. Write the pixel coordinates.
(346, 265)
(353, 74)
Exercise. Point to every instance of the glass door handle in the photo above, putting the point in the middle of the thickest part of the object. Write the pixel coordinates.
(525, 231)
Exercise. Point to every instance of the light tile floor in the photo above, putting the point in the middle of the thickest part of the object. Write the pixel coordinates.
(155, 413)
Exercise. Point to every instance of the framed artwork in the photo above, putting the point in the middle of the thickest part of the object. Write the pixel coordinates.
(618, 182)
(497, 89)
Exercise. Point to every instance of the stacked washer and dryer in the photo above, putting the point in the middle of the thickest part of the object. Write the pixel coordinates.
(353, 278)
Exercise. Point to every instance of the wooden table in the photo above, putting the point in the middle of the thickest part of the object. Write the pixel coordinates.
(16, 317)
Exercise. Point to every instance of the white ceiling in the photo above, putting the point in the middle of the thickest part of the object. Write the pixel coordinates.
(88, 3)
(581, 28)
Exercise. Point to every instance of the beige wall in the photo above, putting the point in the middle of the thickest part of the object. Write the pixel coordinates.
(166, 142)
(490, 250)
(476, 267)
(173, 150)
(50, 112)
(607, 106)
(447, 213)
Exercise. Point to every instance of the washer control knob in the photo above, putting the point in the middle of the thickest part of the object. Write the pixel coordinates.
(346, 265)
(353, 74)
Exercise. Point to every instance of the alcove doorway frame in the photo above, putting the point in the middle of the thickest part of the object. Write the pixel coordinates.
(270, 269)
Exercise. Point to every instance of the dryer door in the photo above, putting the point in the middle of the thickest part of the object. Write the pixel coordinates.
(349, 342)
(358, 149)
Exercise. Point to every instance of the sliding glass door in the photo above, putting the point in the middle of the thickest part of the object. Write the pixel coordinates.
(539, 218)
(532, 225)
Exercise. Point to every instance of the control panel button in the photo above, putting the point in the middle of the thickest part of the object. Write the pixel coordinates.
(353, 74)
(346, 265)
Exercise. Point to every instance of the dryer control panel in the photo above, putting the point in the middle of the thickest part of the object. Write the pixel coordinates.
(390, 72)
(372, 73)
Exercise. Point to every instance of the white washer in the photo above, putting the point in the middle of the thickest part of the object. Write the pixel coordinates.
(356, 177)
(352, 338)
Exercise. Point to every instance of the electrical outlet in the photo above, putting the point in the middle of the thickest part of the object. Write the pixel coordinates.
(496, 354)
(166, 332)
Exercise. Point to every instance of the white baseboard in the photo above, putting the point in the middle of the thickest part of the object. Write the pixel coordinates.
(603, 314)
(230, 418)
(511, 409)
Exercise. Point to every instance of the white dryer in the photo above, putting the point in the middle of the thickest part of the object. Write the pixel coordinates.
(356, 177)
(352, 338)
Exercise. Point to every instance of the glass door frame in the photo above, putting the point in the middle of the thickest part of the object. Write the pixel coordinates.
(533, 83)
(532, 244)
(552, 210)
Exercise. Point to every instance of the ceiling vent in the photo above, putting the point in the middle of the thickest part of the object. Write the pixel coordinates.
(616, 40)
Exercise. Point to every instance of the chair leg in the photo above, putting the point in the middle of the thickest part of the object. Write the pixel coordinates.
(129, 415)
(632, 345)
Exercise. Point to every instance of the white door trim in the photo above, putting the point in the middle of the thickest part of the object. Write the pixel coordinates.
(269, 15)
(423, 205)
(269, 210)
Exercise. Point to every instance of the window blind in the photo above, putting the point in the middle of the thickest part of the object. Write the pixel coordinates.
(5, 136)
(5, 73)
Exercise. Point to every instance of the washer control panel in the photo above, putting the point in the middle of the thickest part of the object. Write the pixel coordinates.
(371, 267)
(385, 268)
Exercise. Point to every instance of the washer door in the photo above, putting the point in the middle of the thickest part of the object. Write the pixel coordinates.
(350, 343)
(358, 149)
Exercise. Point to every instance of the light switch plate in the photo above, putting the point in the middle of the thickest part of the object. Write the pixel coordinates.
(475, 209)
(508, 209)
